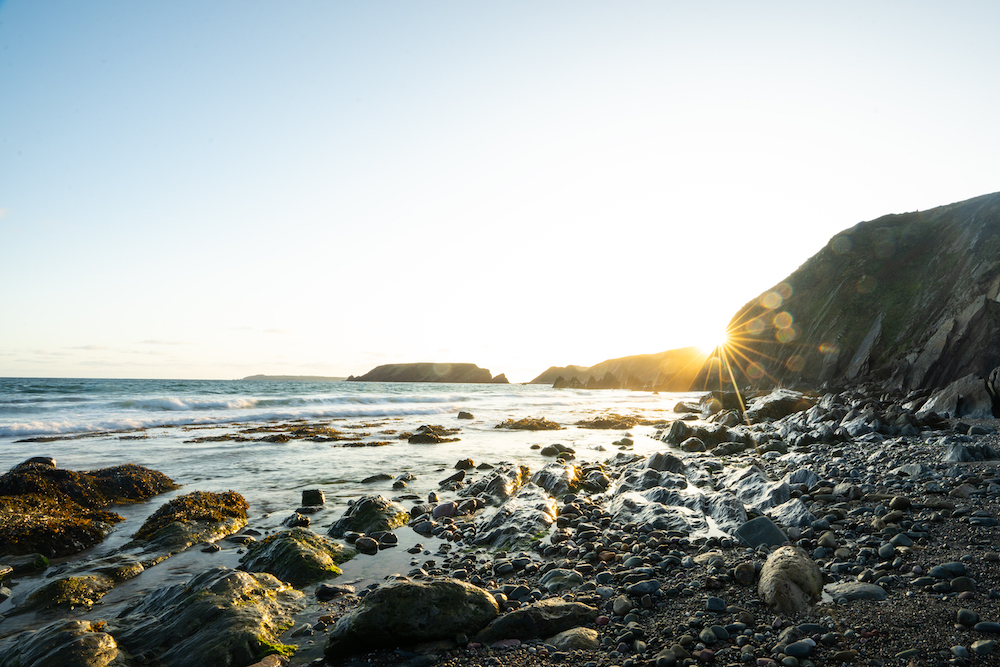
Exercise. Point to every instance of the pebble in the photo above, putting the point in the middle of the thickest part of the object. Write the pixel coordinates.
(987, 626)
(967, 617)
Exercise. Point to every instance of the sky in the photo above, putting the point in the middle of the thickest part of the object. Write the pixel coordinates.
(214, 190)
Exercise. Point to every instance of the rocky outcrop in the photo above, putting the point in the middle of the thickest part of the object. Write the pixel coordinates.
(63, 643)
(673, 370)
(430, 372)
(200, 516)
(527, 513)
(404, 612)
(298, 556)
(909, 300)
(219, 617)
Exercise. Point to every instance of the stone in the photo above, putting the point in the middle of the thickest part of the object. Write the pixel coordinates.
(557, 479)
(779, 403)
(789, 580)
(298, 556)
(965, 397)
(465, 415)
(621, 606)
(370, 514)
(311, 497)
(218, 617)
(745, 574)
(528, 513)
(406, 612)
(465, 464)
(761, 531)
(499, 484)
(63, 643)
(541, 619)
(575, 638)
(855, 590)
(200, 516)
(983, 646)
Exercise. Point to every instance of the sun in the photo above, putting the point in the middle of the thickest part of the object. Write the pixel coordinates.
(711, 343)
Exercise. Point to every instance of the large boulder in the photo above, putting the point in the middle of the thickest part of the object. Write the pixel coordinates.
(407, 612)
(753, 487)
(541, 619)
(527, 514)
(62, 644)
(199, 516)
(298, 556)
(370, 514)
(790, 581)
(993, 389)
(779, 403)
(558, 479)
(219, 617)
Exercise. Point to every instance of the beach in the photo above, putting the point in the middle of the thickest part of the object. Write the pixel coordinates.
(636, 508)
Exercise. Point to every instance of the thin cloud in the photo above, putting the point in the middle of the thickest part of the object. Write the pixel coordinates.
(153, 341)
(90, 347)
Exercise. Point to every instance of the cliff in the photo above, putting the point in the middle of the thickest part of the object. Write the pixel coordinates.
(908, 300)
(673, 370)
(429, 372)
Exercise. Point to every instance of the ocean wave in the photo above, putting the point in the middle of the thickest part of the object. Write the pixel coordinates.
(174, 403)
(98, 425)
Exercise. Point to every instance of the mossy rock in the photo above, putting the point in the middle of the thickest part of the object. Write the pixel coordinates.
(298, 556)
(93, 489)
(199, 515)
(34, 523)
(68, 593)
(529, 424)
(64, 643)
(370, 514)
(218, 617)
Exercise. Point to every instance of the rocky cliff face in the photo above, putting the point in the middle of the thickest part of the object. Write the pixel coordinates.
(429, 372)
(673, 370)
(908, 300)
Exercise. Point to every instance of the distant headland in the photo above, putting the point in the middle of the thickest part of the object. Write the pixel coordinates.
(292, 378)
(430, 372)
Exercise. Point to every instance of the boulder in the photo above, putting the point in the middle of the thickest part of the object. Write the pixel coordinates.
(761, 530)
(993, 389)
(63, 644)
(752, 486)
(298, 556)
(219, 617)
(541, 619)
(779, 403)
(200, 516)
(792, 513)
(790, 581)
(65, 593)
(370, 514)
(528, 513)
(408, 612)
(558, 479)
(500, 484)
(855, 590)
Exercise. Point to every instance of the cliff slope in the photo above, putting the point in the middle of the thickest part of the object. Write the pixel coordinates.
(673, 370)
(429, 372)
(909, 300)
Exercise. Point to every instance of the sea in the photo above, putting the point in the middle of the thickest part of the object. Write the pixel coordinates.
(219, 435)
(270, 440)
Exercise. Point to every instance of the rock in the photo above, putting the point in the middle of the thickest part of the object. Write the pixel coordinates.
(377, 477)
(558, 579)
(370, 514)
(296, 520)
(790, 581)
(558, 479)
(499, 484)
(779, 403)
(219, 617)
(855, 590)
(541, 619)
(526, 514)
(26, 564)
(965, 397)
(754, 489)
(792, 514)
(195, 517)
(465, 464)
(366, 545)
(298, 556)
(66, 593)
(465, 415)
(429, 372)
(761, 530)
(745, 574)
(556, 449)
(402, 612)
(621, 605)
(575, 638)
(312, 497)
(63, 643)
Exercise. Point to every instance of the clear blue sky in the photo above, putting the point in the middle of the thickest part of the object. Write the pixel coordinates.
(226, 188)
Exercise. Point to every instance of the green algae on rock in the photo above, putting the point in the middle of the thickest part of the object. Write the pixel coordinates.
(33, 523)
(68, 593)
(192, 518)
(298, 556)
(529, 424)
(218, 617)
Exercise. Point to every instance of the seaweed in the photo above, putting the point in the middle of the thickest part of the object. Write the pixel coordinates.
(195, 506)
(529, 424)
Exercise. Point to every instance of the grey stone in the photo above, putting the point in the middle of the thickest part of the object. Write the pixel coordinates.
(761, 531)
(855, 590)
(370, 514)
(789, 580)
(541, 619)
(575, 638)
(298, 556)
(62, 643)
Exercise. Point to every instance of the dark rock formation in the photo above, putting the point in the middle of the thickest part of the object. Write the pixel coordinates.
(194, 517)
(298, 556)
(370, 514)
(907, 300)
(430, 372)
